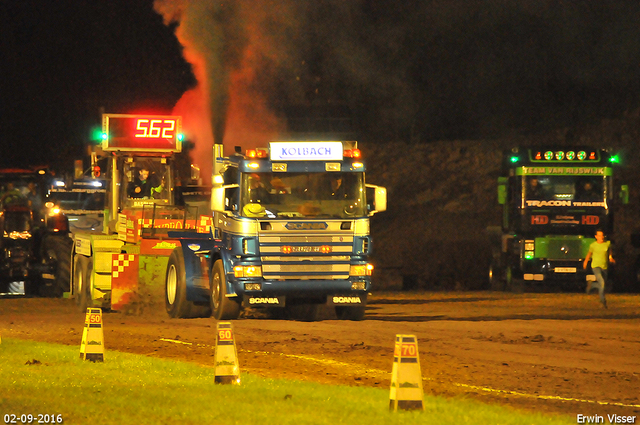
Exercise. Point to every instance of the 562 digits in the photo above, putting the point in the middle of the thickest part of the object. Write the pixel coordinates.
(155, 128)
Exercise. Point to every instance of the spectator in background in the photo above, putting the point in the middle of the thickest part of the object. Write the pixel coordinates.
(12, 196)
(35, 201)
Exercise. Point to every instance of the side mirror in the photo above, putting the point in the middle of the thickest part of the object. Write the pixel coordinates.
(222, 197)
(624, 194)
(379, 199)
(502, 190)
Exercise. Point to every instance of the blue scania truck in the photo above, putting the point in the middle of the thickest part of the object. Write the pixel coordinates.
(290, 229)
(553, 200)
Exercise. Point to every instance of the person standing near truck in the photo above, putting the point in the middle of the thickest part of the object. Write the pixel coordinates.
(600, 256)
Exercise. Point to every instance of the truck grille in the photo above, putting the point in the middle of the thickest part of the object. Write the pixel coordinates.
(565, 249)
(287, 257)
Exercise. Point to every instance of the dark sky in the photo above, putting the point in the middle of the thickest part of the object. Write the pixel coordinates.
(410, 70)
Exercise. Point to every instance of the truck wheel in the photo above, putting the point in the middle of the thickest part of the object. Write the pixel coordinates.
(56, 249)
(175, 298)
(514, 284)
(222, 307)
(350, 313)
(496, 282)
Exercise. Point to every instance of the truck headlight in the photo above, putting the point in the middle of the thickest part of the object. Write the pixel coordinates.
(247, 271)
(529, 248)
(361, 270)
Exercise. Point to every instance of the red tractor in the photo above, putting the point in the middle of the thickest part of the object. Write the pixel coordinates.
(35, 249)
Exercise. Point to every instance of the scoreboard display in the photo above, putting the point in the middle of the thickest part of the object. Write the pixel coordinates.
(148, 133)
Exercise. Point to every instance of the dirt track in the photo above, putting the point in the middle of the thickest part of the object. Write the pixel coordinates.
(556, 353)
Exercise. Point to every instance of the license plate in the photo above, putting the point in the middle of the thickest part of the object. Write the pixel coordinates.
(305, 249)
(565, 269)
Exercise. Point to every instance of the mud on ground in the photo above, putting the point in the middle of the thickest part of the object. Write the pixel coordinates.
(552, 353)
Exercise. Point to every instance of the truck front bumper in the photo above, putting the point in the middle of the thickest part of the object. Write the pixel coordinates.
(555, 270)
(276, 293)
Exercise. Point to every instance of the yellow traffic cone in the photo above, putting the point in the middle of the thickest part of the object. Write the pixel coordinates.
(92, 346)
(227, 369)
(406, 378)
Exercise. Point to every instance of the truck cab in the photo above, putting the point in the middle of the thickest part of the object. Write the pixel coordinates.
(290, 230)
(553, 201)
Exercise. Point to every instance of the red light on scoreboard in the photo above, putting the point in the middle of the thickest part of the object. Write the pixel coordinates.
(148, 133)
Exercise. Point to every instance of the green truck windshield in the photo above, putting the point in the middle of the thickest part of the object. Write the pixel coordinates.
(285, 195)
(564, 188)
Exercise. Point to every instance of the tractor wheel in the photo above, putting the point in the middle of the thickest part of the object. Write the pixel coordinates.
(57, 250)
(82, 282)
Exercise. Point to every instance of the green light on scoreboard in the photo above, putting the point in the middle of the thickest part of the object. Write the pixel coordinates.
(514, 159)
(614, 159)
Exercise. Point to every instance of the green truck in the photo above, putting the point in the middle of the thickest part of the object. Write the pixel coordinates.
(554, 200)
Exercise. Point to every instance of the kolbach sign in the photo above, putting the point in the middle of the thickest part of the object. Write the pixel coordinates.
(306, 151)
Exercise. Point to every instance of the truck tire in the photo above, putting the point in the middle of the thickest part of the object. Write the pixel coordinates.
(57, 249)
(496, 279)
(175, 293)
(222, 307)
(350, 313)
(514, 283)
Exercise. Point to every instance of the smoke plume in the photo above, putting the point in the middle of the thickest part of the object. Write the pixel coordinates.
(221, 41)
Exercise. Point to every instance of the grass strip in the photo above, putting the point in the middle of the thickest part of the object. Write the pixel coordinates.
(135, 389)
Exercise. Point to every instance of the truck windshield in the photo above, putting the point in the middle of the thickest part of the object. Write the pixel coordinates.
(147, 178)
(565, 188)
(78, 200)
(331, 194)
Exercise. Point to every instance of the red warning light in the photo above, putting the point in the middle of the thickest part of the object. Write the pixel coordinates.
(352, 153)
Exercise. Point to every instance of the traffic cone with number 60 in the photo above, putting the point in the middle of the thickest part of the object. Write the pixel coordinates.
(227, 369)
